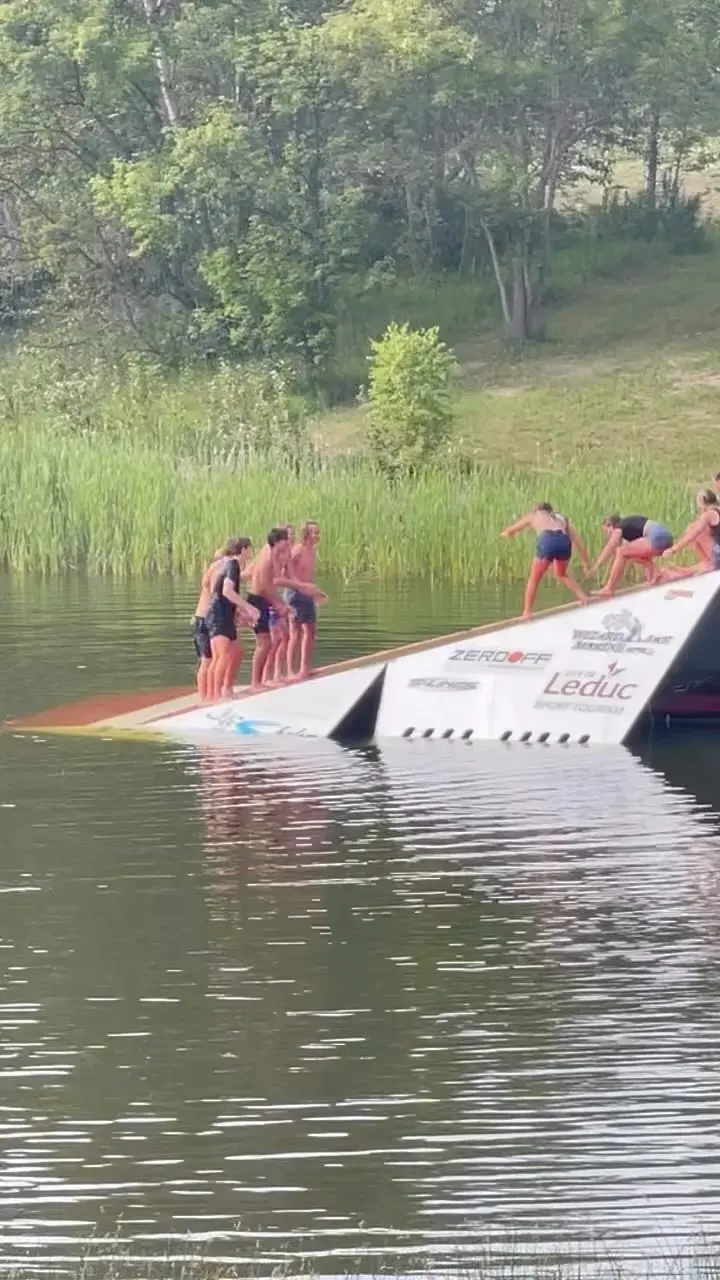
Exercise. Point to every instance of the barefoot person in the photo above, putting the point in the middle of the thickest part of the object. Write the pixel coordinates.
(554, 546)
(226, 609)
(303, 616)
(631, 540)
(199, 629)
(266, 575)
(703, 533)
(198, 626)
(276, 667)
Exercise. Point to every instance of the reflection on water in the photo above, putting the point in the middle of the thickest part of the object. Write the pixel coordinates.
(363, 1006)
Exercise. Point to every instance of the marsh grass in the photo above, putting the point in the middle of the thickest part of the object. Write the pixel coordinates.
(129, 469)
(598, 1260)
(124, 506)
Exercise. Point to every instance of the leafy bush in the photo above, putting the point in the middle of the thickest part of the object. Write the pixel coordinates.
(674, 218)
(411, 409)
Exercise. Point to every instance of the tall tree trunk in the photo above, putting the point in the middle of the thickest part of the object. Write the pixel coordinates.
(154, 10)
(519, 330)
(652, 159)
(502, 291)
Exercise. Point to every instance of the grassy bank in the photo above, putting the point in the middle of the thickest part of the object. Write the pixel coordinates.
(131, 470)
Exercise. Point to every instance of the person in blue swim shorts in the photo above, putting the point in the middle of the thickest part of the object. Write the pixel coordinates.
(303, 617)
(555, 540)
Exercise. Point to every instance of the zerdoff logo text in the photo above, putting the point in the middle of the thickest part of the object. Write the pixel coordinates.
(438, 685)
(620, 632)
(495, 659)
(588, 691)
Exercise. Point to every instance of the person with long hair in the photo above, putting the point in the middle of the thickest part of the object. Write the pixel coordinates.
(226, 609)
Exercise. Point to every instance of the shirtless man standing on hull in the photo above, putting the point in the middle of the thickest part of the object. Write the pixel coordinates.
(303, 618)
(276, 667)
(265, 575)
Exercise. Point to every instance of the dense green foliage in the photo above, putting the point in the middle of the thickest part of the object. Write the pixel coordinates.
(411, 409)
(232, 177)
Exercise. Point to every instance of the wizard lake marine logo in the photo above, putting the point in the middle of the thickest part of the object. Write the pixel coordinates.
(619, 632)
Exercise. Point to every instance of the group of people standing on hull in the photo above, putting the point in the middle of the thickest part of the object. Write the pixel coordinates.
(280, 607)
(628, 540)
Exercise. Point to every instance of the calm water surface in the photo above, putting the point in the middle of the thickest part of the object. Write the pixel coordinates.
(367, 1007)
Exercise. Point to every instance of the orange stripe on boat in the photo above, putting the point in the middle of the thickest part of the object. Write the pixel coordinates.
(96, 708)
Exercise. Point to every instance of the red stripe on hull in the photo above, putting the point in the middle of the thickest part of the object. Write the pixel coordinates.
(87, 712)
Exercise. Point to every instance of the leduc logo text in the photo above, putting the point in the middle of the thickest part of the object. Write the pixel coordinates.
(589, 691)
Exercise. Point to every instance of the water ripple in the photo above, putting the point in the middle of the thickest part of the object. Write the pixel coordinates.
(359, 1006)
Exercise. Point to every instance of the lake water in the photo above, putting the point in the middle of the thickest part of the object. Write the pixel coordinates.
(359, 1007)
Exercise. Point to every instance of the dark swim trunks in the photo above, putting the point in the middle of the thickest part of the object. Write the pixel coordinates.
(553, 544)
(201, 639)
(262, 626)
(220, 619)
(303, 607)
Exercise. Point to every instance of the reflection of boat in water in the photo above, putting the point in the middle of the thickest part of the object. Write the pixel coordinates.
(576, 674)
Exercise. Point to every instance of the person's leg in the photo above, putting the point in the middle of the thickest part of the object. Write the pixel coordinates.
(564, 574)
(233, 666)
(220, 650)
(294, 642)
(203, 672)
(201, 643)
(538, 569)
(280, 667)
(306, 649)
(281, 654)
(278, 652)
(703, 546)
(260, 657)
(638, 552)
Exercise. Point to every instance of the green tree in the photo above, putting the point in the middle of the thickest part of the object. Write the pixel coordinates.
(411, 408)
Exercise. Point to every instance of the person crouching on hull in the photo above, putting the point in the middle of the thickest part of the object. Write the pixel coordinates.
(631, 540)
(556, 538)
(703, 533)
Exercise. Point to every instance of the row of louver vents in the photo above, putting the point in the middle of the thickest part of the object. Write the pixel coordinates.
(507, 736)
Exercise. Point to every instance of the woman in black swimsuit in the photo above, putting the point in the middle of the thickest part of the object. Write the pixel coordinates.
(225, 610)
